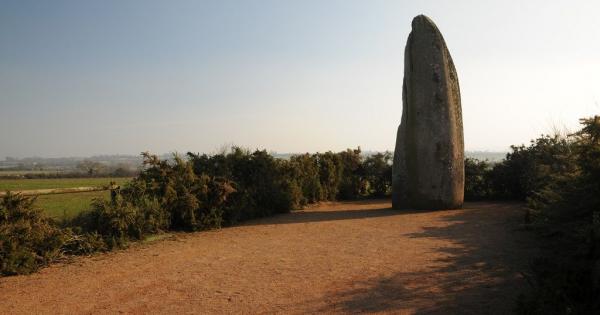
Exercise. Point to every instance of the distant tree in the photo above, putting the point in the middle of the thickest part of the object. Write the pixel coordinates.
(90, 167)
(122, 170)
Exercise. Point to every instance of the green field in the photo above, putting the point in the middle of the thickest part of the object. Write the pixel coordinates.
(50, 183)
(64, 205)
(60, 206)
(28, 172)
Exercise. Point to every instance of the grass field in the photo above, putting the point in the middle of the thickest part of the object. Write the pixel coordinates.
(63, 205)
(49, 183)
(60, 206)
(29, 172)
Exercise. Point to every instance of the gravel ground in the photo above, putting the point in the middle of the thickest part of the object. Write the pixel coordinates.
(351, 257)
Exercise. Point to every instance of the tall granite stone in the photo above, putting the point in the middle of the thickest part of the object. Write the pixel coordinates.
(428, 171)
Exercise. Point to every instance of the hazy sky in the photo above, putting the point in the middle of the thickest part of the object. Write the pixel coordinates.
(100, 77)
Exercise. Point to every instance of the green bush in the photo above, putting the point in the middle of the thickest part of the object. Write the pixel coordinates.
(528, 168)
(116, 221)
(83, 243)
(352, 181)
(303, 173)
(192, 201)
(524, 173)
(565, 200)
(330, 174)
(197, 193)
(561, 286)
(28, 240)
(477, 179)
(258, 183)
(378, 174)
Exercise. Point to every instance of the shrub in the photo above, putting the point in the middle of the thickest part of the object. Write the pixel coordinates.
(477, 182)
(303, 171)
(378, 174)
(83, 243)
(197, 193)
(330, 174)
(192, 201)
(28, 240)
(528, 168)
(262, 185)
(560, 287)
(565, 200)
(352, 180)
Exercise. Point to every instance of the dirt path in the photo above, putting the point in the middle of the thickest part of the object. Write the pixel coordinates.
(335, 258)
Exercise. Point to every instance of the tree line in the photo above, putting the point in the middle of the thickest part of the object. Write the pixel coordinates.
(191, 193)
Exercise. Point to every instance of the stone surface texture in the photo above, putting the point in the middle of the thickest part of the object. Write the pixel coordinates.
(428, 171)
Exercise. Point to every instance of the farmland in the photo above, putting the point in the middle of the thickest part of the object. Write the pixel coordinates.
(5, 173)
(62, 205)
(52, 183)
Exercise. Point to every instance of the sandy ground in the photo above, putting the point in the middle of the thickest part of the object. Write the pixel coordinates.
(335, 258)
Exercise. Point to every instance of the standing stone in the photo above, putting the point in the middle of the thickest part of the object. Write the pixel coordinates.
(428, 171)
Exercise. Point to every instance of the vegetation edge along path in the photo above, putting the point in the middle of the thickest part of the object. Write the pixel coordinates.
(35, 192)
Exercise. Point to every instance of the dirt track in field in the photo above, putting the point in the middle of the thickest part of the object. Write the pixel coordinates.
(335, 258)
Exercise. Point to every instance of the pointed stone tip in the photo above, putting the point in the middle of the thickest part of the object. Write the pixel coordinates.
(422, 20)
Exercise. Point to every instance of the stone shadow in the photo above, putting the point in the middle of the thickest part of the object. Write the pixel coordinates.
(307, 216)
(479, 274)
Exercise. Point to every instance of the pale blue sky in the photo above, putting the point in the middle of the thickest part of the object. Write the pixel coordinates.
(79, 78)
